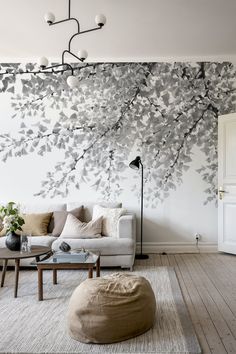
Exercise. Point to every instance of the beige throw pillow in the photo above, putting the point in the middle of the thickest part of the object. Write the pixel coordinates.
(35, 224)
(74, 228)
(110, 219)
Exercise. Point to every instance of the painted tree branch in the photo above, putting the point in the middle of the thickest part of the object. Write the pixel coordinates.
(24, 141)
(163, 117)
(114, 127)
(183, 142)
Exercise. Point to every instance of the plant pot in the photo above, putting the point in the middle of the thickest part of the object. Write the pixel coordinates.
(13, 241)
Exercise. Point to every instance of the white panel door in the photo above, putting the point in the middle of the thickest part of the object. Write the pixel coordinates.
(227, 183)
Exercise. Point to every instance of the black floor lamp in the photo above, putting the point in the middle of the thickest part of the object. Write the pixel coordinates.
(135, 164)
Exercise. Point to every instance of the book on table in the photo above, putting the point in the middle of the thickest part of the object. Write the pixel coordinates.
(76, 256)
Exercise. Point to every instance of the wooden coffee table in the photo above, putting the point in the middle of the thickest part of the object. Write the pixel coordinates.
(93, 261)
(6, 254)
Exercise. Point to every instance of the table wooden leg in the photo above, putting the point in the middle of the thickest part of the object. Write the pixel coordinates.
(54, 276)
(90, 273)
(4, 269)
(98, 268)
(40, 284)
(17, 267)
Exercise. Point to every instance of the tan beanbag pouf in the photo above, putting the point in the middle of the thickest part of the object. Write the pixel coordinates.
(111, 309)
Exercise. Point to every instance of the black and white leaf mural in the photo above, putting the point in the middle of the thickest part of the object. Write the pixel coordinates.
(159, 111)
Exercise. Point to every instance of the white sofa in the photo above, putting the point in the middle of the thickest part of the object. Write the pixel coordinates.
(118, 251)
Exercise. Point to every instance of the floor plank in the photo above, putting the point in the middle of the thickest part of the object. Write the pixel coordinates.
(210, 332)
(164, 260)
(208, 284)
(222, 278)
(192, 311)
(213, 302)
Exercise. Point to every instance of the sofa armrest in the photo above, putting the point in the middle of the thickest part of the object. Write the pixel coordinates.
(127, 226)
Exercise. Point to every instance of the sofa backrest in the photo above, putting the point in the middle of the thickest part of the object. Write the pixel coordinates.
(88, 207)
(29, 208)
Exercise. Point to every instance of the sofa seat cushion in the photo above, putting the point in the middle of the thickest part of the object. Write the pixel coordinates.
(106, 245)
(35, 241)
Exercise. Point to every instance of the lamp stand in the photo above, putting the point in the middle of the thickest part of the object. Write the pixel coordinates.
(141, 255)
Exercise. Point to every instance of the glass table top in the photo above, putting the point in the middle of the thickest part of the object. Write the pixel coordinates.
(72, 258)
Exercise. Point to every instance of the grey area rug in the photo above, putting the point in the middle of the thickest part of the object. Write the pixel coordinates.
(29, 326)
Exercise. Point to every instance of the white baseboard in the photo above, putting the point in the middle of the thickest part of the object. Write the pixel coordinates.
(178, 247)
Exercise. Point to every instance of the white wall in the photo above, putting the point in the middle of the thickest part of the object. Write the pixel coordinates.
(176, 220)
(170, 224)
(136, 30)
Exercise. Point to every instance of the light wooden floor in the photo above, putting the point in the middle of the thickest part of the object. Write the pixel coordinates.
(208, 283)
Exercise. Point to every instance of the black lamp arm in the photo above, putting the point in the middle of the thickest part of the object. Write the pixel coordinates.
(57, 66)
(81, 32)
(67, 51)
(69, 8)
(67, 19)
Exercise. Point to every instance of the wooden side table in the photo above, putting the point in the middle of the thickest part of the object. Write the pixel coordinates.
(6, 254)
(93, 261)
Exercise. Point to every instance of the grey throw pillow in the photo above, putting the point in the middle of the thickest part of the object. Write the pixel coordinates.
(59, 219)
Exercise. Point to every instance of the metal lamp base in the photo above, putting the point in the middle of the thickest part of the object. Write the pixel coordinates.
(141, 256)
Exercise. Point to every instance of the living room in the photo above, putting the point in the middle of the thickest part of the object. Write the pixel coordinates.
(118, 175)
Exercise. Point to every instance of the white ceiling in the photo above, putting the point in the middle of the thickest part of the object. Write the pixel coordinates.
(136, 30)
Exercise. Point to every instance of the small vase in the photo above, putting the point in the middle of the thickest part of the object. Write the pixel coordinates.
(13, 241)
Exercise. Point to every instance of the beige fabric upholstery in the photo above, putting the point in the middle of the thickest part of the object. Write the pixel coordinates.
(114, 252)
(35, 241)
(127, 226)
(35, 224)
(74, 228)
(59, 219)
(105, 245)
(111, 309)
(42, 208)
(110, 218)
(88, 207)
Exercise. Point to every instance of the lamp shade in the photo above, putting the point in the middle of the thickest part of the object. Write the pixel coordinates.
(43, 62)
(73, 81)
(135, 163)
(100, 20)
(82, 54)
(49, 18)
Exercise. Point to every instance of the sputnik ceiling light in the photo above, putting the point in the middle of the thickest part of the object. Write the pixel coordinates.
(72, 80)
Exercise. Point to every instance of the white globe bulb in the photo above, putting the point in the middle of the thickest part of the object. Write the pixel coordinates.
(82, 54)
(43, 62)
(73, 81)
(100, 20)
(49, 18)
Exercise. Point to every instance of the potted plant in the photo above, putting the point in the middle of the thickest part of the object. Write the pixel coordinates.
(12, 222)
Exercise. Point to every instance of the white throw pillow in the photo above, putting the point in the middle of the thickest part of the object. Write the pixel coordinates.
(74, 228)
(110, 219)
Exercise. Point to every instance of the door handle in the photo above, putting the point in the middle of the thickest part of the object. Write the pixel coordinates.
(221, 193)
